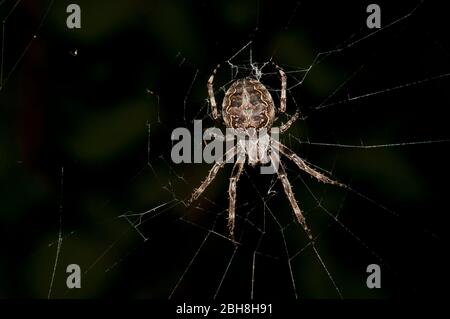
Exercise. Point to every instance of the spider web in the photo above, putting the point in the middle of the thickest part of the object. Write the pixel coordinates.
(372, 107)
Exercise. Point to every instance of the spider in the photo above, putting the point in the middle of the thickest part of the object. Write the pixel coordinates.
(248, 107)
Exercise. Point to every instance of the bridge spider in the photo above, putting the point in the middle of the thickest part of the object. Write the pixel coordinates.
(248, 107)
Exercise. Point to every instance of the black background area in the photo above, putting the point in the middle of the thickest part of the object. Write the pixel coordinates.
(89, 113)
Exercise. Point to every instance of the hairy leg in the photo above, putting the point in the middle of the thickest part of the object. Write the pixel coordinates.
(212, 99)
(235, 175)
(287, 125)
(303, 166)
(283, 89)
(211, 175)
(290, 194)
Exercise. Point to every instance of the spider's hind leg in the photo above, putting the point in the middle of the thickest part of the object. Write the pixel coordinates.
(237, 172)
(282, 176)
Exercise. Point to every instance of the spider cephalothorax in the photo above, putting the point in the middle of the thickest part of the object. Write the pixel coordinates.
(248, 108)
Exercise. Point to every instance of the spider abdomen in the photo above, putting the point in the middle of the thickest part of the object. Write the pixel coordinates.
(248, 104)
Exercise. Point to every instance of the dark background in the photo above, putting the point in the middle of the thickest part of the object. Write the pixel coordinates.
(89, 113)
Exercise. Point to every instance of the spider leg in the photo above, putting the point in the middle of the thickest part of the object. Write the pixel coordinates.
(283, 89)
(303, 166)
(236, 173)
(288, 190)
(212, 99)
(284, 127)
(211, 175)
(281, 172)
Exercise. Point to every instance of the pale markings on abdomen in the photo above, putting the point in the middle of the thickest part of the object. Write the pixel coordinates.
(261, 94)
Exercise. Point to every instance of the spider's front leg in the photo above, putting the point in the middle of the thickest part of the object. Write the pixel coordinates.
(212, 99)
(283, 89)
(294, 118)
